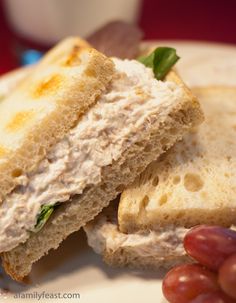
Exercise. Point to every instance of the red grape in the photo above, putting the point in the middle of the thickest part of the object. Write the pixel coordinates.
(184, 283)
(214, 297)
(227, 276)
(210, 245)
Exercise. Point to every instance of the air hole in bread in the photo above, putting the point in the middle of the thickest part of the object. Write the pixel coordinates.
(193, 182)
(50, 160)
(166, 217)
(16, 173)
(121, 252)
(163, 199)
(176, 180)
(139, 144)
(145, 201)
(155, 181)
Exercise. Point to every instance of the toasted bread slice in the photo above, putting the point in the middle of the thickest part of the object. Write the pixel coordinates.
(195, 181)
(46, 104)
(156, 134)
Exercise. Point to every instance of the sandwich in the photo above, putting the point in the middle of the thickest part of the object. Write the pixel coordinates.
(75, 131)
(193, 183)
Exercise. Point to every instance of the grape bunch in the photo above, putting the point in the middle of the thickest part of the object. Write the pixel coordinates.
(213, 278)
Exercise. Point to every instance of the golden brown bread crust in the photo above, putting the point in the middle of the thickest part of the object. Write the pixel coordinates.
(52, 98)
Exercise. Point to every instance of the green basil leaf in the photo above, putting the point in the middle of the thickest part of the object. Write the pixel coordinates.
(147, 60)
(44, 215)
(160, 60)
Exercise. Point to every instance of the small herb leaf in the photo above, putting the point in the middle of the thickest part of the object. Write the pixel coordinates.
(160, 60)
(44, 215)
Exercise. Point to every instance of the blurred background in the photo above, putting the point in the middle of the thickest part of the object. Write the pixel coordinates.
(38, 24)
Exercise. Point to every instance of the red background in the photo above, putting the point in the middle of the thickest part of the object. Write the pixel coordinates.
(212, 20)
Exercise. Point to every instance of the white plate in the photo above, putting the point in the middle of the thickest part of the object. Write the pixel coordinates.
(74, 268)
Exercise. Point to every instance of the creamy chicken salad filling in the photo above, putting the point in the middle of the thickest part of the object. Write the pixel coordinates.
(166, 242)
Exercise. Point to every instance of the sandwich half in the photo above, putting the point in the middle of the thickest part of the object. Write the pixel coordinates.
(192, 183)
(75, 132)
